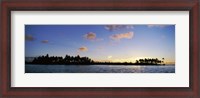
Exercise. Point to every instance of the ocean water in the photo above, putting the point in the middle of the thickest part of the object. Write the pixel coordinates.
(31, 68)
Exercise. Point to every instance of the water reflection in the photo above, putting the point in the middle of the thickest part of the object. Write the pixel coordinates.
(30, 68)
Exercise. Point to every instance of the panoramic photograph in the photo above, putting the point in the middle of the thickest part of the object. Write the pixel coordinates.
(109, 48)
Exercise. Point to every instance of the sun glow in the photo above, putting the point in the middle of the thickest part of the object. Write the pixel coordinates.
(131, 59)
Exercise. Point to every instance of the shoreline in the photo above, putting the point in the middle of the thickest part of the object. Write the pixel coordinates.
(108, 64)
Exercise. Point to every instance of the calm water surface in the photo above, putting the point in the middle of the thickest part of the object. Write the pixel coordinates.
(30, 68)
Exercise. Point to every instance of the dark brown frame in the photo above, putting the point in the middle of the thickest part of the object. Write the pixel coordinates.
(99, 5)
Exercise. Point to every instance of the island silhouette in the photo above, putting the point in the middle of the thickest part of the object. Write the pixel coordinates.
(77, 60)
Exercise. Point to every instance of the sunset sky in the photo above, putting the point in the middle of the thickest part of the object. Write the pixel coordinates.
(115, 43)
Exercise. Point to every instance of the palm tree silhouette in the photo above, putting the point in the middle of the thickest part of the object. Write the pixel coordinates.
(163, 60)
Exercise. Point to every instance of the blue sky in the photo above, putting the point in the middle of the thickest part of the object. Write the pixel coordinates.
(117, 43)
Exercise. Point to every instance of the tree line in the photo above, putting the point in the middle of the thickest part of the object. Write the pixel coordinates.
(151, 61)
(67, 60)
(77, 60)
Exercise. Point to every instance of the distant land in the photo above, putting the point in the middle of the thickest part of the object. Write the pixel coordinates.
(29, 59)
(77, 60)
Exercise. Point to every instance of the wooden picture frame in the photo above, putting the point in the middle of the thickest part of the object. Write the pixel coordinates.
(193, 91)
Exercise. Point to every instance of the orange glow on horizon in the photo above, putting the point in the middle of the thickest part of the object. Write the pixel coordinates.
(133, 60)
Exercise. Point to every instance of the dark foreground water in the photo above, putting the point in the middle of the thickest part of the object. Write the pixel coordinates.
(30, 68)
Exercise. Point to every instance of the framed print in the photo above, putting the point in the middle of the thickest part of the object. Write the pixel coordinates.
(121, 48)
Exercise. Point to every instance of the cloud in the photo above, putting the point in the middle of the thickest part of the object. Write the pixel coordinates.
(29, 38)
(152, 25)
(45, 41)
(128, 35)
(117, 27)
(90, 36)
(83, 49)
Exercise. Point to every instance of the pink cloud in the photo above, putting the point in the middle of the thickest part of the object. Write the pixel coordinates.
(29, 38)
(83, 49)
(90, 36)
(45, 41)
(128, 35)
